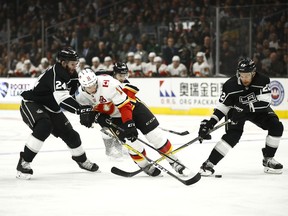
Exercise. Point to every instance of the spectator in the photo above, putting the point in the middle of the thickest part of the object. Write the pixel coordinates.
(273, 43)
(285, 70)
(276, 67)
(142, 52)
(102, 51)
(122, 53)
(227, 59)
(207, 49)
(266, 62)
(87, 52)
(169, 51)
(121, 25)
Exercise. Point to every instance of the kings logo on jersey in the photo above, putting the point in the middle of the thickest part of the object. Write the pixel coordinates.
(277, 92)
(3, 89)
(248, 98)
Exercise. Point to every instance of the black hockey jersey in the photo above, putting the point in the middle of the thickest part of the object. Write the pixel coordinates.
(258, 94)
(52, 90)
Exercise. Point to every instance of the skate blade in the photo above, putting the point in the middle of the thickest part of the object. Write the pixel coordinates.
(160, 175)
(23, 176)
(186, 173)
(272, 171)
(205, 173)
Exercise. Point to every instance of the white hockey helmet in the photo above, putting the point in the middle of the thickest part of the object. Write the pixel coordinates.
(87, 77)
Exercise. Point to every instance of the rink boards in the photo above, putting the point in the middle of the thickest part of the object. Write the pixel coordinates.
(180, 96)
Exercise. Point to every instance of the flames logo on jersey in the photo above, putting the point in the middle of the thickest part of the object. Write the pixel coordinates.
(3, 89)
(107, 108)
(277, 92)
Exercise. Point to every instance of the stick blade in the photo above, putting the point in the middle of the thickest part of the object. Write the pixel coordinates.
(193, 180)
(185, 133)
(123, 173)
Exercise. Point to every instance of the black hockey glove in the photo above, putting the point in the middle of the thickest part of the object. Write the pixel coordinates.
(130, 131)
(205, 127)
(87, 115)
(84, 108)
(101, 120)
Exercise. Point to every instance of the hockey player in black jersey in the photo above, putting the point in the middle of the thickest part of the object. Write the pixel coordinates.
(41, 111)
(245, 97)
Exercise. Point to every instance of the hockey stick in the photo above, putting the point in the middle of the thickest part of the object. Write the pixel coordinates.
(188, 181)
(108, 121)
(175, 132)
(118, 171)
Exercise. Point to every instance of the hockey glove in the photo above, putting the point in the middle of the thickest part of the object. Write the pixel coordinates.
(205, 127)
(101, 120)
(84, 108)
(86, 115)
(87, 118)
(130, 131)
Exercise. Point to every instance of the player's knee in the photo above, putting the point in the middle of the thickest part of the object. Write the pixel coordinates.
(232, 138)
(156, 137)
(223, 147)
(276, 129)
(42, 129)
(72, 139)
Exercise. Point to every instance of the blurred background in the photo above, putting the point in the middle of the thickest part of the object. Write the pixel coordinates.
(106, 31)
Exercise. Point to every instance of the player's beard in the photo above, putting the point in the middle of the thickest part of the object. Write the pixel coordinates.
(70, 71)
(246, 83)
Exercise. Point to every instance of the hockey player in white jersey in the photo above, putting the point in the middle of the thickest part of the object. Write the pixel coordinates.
(176, 68)
(105, 93)
(201, 68)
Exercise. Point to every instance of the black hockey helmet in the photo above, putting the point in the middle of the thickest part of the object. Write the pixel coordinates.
(121, 68)
(246, 65)
(67, 54)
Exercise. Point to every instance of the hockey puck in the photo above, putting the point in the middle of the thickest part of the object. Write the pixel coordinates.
(218, 176)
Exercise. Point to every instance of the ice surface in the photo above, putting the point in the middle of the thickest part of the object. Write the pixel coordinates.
(59, 187)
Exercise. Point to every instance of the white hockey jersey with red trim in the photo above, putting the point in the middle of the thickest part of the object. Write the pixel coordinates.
(109, 97)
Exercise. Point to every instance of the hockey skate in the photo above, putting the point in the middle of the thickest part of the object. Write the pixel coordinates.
(207, 169)
(151, 170)
(113, 148)
(271, 166)
(24, 170)
(177, 167)
(89, 166)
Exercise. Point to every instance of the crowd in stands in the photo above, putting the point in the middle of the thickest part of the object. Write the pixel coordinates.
(153, 37)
